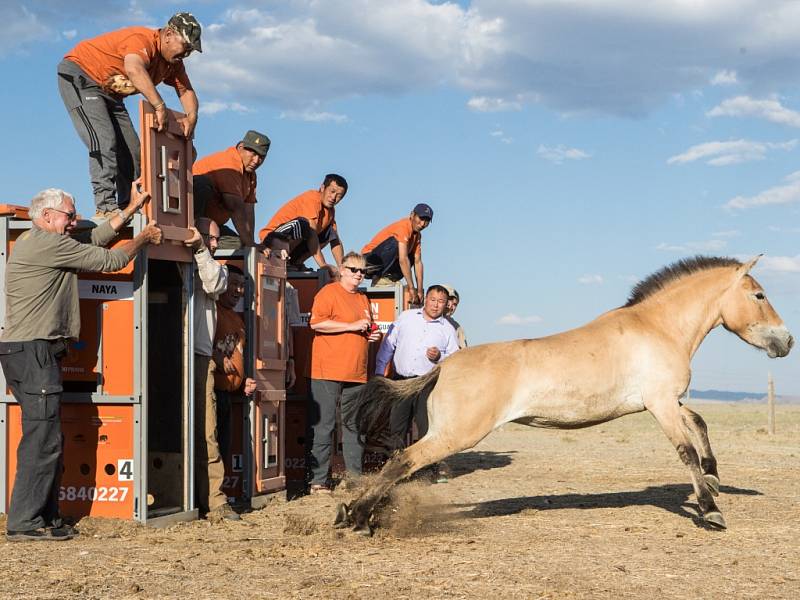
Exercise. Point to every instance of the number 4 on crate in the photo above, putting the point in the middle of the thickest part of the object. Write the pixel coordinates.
(125, 469)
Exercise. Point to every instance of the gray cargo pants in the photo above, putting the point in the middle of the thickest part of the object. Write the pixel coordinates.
(324, 397)
(33, 372)
(104, 125)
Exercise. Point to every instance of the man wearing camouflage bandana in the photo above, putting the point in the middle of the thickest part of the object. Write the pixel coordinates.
(95, 77)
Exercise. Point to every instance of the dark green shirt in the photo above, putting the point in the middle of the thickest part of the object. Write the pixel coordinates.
(42, 281)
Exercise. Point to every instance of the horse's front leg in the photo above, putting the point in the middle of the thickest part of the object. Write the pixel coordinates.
(667, 412)
(708, 463)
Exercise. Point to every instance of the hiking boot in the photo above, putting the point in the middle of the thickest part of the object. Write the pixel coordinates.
(223, 513)
(39, 535)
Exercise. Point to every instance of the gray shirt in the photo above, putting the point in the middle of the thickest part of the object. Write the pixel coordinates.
(210, 282)
(42, 281)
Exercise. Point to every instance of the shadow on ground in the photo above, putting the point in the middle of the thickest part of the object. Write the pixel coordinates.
(470, 462)
(673, 498)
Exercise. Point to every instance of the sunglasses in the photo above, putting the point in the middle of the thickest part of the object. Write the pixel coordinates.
(70, 215)
(355, 270)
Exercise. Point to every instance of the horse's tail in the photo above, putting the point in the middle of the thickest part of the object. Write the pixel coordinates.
(370, 412)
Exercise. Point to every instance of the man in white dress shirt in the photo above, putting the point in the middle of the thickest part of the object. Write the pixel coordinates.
(418, 340)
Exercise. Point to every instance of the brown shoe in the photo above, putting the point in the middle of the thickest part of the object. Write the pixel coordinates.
(223, 513)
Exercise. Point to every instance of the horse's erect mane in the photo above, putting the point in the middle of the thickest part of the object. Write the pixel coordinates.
(663, 277)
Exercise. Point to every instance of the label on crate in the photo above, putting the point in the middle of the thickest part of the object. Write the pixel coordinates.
(105, 290)
(236, 463)
(85, 493)
(125, 469)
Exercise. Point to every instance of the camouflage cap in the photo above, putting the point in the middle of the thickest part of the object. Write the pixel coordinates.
(257, 142)
(186, 24)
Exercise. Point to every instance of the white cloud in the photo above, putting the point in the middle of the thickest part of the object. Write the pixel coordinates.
(730, 153)
(705, 246)
(515, 319)
(214, 106)
(727, 234)
(69, 34)
(591, 280)
(558, 154)
(313, 116)
(500, 135)
(20, 27)
(485, 104)
(780, 264)
(744, 106)
(615, 57)
(724, 77)
(782, 194)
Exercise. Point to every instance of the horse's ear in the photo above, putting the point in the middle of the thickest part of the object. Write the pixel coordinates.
(745, 268)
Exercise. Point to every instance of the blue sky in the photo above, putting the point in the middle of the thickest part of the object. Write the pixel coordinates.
(567, 148)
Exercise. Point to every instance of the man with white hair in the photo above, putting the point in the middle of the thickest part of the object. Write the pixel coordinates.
(95, 77)
(42, 315)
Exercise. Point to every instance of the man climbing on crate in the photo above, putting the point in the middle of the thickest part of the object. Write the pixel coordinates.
(210, 282)
(225, 188)
(396, 249)
(308, 223)
(95, 77)
(42, 315)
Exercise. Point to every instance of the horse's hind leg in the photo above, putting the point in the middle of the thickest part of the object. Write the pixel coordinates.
(708, 463)
(430, 449)
(668, 415)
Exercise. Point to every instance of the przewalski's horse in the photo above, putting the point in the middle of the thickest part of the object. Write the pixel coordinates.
(630, 359)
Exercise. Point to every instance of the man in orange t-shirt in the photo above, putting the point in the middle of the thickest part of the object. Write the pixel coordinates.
(396, 249)
(95, 77)
(308, 223)
(225, 188)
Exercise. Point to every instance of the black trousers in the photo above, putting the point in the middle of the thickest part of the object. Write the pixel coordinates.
(383, 261)
(33, 372)
(406, 411)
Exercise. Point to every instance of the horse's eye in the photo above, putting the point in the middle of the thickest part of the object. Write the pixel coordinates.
(760, 295)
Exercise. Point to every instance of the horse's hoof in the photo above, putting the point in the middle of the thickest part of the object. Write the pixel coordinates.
(363, 529)
(342, 519)
(716, 519)
(712, 481)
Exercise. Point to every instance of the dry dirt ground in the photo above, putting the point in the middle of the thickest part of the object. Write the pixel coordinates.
(606, 512)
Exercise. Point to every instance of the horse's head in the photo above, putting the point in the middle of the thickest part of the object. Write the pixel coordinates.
(747, 313)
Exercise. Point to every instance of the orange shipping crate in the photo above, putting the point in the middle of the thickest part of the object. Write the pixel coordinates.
(98, 459)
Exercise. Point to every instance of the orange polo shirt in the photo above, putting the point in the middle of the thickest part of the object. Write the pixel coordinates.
(403, 232)
(339, 356)
(308, 205)
(227, 175)
(103, 57)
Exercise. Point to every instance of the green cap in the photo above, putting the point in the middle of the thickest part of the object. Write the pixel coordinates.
(257, 142)
(186, 24)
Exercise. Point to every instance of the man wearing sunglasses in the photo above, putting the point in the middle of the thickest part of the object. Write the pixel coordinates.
(397, 248)
(95, 77)
(42, 315)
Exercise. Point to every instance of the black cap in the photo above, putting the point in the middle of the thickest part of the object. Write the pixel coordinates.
(424, 211)
(257, 142)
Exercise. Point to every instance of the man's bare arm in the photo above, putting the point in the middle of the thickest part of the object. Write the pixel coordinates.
(136, 69)
(190, 107)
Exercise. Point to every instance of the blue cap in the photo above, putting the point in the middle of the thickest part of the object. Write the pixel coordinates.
(424, 211)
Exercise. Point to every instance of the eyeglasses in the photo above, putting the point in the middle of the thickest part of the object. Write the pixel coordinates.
(70, 215)
(355, 270)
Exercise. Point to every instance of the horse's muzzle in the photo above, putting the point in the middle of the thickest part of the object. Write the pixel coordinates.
(779, 346)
